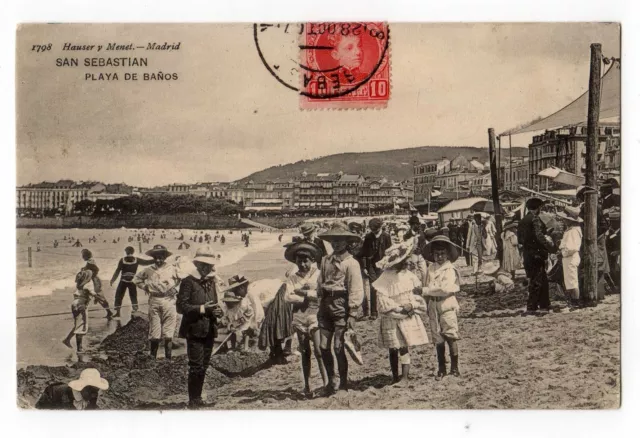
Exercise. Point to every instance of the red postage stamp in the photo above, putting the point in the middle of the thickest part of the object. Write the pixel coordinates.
(344, 65)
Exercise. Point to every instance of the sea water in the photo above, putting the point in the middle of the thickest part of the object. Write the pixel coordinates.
(47, 286)
(55, 268)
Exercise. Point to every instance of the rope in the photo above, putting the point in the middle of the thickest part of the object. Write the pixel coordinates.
(67, 313)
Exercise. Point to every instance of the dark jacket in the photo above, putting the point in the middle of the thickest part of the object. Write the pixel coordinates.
(531, 235)
(463, 230)
(422, 240)
(194, 293)
(60, 396)
(373, 249)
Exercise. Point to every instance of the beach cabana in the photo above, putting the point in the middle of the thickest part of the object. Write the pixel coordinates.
(458, 209)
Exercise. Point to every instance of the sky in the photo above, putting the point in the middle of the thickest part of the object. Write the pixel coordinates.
(226, 116)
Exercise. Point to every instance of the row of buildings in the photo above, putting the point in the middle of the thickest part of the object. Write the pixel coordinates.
(440, 179)
(321, 191)
(63, 195)
(564, 148)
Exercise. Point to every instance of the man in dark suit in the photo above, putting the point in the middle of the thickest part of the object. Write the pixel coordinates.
(463, 232)
(197, 302)
(375, 244)
(536, 246)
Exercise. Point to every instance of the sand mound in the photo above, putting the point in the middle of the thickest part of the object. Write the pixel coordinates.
(130, 338)
(239, 364)
(135, 381)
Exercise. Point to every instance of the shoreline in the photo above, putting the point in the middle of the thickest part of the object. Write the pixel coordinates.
(39, 339)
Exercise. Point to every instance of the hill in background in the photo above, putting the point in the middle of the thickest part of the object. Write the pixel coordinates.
(394, 164)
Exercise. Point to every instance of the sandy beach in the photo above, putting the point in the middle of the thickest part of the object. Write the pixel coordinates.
(563, 360)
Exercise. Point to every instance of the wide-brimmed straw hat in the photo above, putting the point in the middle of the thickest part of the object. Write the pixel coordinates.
(205, 255)
(158, 249)
(396, 254)
(431, 233)
(355, 225)
(230, 297)
(571, 214)
(583, 190)
(339, 231)
(510, 225)
(307, 228)
(301, 247)
(89, 377)
(452, 250)
(236, 281)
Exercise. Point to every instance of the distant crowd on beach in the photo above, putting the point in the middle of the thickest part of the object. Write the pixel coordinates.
(403, 274)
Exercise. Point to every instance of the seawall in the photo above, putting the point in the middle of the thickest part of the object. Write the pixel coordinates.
(177, 221)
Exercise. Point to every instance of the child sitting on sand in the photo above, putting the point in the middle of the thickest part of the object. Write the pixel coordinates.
(400, 325)
(443, 282)
(239, 319)
(81, 298)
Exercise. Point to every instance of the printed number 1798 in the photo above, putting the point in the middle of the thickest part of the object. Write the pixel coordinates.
(41, 47)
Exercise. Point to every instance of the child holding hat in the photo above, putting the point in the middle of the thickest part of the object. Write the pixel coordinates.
(340, 293)
(443, 282)
(400, 325)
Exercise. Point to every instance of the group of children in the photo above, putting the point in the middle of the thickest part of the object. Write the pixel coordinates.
(326, 300)
(324, 296)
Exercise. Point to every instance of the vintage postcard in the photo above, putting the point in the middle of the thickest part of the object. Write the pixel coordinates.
(318, 215)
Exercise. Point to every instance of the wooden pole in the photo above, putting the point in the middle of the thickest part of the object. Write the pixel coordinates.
(499, 162)
(29, 257)
(494, 192)
(510, 165)
(590, 284)
(139, 247)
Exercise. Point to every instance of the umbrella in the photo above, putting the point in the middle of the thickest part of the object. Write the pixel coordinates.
(485, 206)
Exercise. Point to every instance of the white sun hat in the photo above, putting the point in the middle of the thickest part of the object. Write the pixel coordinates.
(89, 377)
(205, 255)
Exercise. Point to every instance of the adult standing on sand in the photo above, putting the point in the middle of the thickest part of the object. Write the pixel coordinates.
(127, 269)
(340, 291)
(160, 281)
(197, 302)
(373, 249)
(536, 246)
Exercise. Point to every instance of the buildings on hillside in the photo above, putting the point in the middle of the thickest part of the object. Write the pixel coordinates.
(62, 195)
(323, 191)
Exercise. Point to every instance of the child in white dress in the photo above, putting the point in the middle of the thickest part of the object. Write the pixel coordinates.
(400, 324)
(570, 251)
